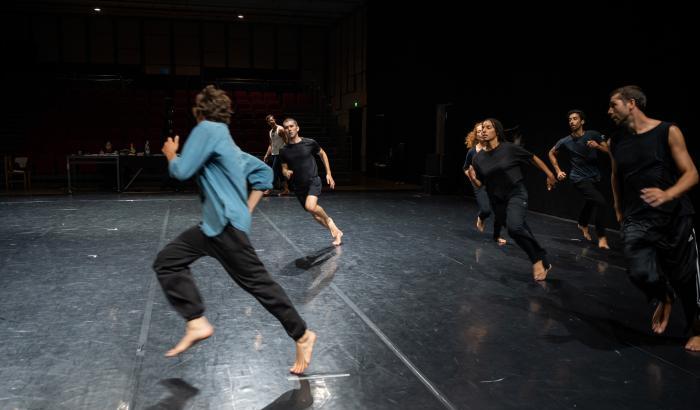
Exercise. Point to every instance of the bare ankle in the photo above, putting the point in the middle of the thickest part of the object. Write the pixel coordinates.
(305, 337)
(197, 321)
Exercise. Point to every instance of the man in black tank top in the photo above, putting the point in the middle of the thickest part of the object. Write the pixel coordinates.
(299, 167)
(651, 173)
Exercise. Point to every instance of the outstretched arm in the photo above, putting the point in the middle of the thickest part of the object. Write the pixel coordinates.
(551, 181)
(329, 177)
(553, 159)
(688, 173)
(253, 199)
(195, 153)
(615, 189)
(281, 132)
(259, 177)
(600, 146)
(476, 177)
(268, 152)
(471, 173)
(286, 171)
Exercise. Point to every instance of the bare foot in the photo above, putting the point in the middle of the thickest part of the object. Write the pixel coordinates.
(659, 320)
(500, 241)
(338, 237)
(480, 224)
(304, 346)
(584, 231)
(335, 232)
(603, 243)
(539, 271)
(195, 331)
(693, 344)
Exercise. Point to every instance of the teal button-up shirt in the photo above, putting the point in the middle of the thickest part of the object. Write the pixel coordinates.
(223, 172)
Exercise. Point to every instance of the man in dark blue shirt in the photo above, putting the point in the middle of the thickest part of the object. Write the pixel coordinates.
(583, 147)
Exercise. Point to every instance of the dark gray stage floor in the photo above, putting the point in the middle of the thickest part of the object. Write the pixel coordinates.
(416, 310)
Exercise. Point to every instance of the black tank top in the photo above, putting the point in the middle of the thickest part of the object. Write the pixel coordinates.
(644, 161)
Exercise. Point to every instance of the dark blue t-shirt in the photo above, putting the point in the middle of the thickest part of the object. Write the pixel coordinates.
(470, 158)
(584, 160)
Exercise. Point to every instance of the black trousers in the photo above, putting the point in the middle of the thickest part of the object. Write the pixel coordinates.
(662, 258)
(235, 253)
(514, 208)
(482, 201)
(595, 204)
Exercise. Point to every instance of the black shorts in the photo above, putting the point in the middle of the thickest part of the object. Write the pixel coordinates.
(302, 192)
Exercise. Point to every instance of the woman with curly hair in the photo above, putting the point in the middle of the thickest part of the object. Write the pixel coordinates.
(474, 146)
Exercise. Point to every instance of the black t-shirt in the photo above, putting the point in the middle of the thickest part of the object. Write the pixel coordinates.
(500, 169)
(584, 160)
(470, 158)
(645, 161)
(300, 158)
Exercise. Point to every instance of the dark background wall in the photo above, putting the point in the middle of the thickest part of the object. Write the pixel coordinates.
(111, 78)
(78, 78)
(523, 64)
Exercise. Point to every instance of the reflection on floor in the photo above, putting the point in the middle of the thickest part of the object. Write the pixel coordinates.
(416, 310)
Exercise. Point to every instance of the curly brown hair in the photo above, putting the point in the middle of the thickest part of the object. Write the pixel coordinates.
(470, 139)
(213, 104)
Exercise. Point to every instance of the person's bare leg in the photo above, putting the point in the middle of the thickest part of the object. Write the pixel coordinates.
(285, 190)
(312, 207)
(337, 237)
(480, 223)
(693, 344)
(196, 330)
(304, 348)
(320, 220)
(321, 217)
(584, 231)
(539, 271)
(603, 242)
(659, 320)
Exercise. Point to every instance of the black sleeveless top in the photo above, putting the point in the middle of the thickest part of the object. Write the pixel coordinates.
(644, 161)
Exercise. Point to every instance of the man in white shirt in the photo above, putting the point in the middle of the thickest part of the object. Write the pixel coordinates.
(278, 138)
